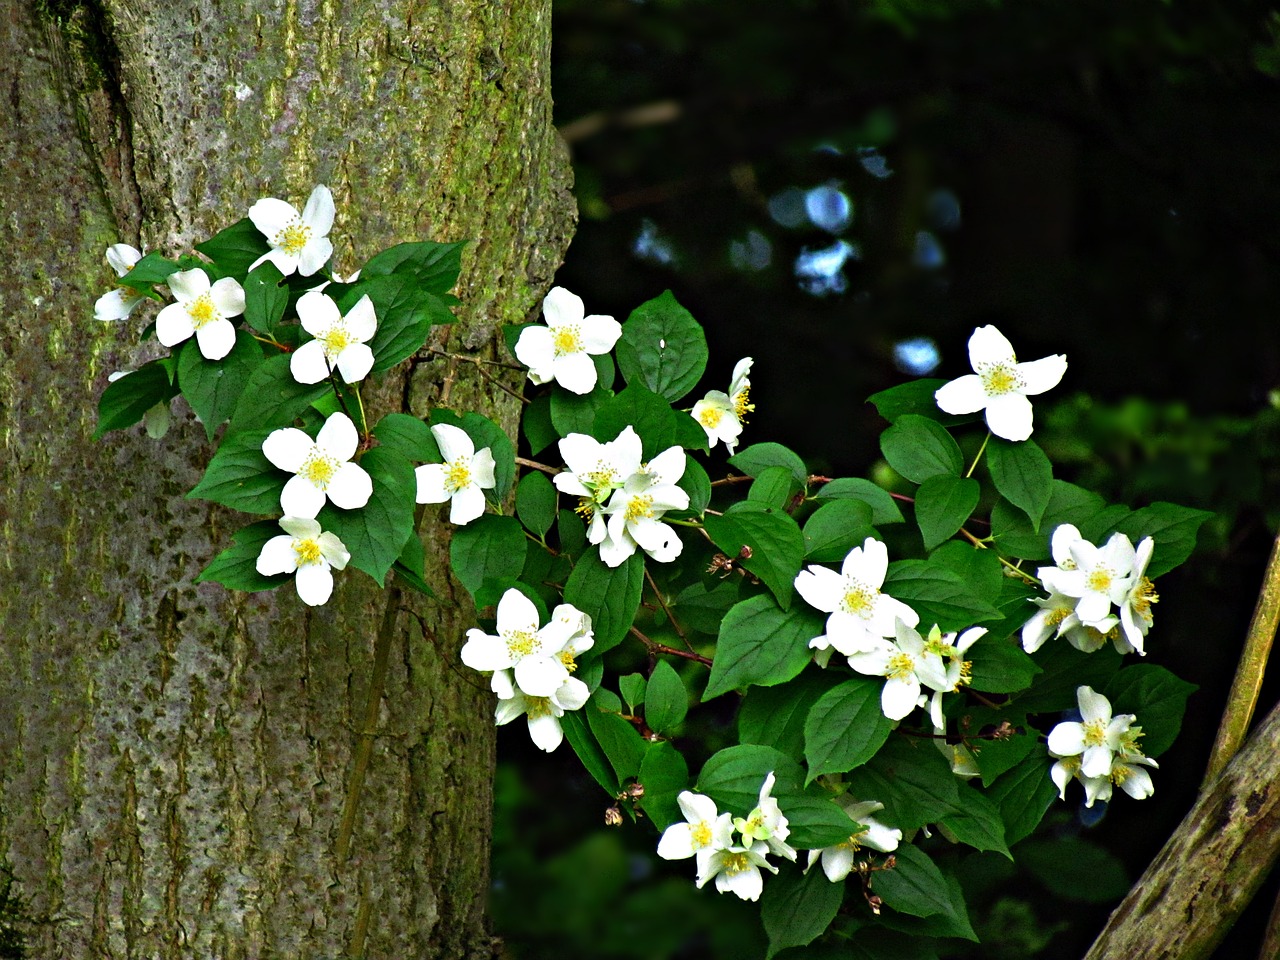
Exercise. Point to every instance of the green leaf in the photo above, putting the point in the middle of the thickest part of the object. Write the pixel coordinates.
(240, 477)
(152, 270)
(1172, 527)
(663, 348)
(537, 426)
(633, 687)
(265, 299)
(775, 716)
(234, 248)
(410, 566)
(883, 508)
(1022, 474)
(796, 908)
(919, 448)
(951, 924)
(835, 528)
(943, 505)
(236, 567)
(1022, 795)
(978, 823)
(1074, 869)
(536, 502)
(1000, 666)
(609, 595)
(488, 548)
(573, 536)
(939, 595)
(376, 533)
(762, 645)
(755, 458)
(1066, 669)
(405, 311)
(914, 397)
(571, 413)
(815, 822)
(732, 777)
(663, 774)
(666, 700)
(639, 408)
(126, 400)
(433, 266)
(1014, 533)
(845, 727)
(272, 398)
(912, 779)
(485, 433)
(619, 740)
(915, 886)
(774, 487)
(213, 387)
(995, 757)
(408, 436)
(775, 541)
(1157, 697)
(578, 733)
(695, 482)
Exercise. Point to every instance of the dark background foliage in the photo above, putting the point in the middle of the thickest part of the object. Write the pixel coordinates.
(844, 190)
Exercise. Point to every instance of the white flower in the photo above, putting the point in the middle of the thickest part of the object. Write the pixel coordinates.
(947, 651)
(861, 616)
(461, 479)
(322, 467)
(1101, 577)
(561, 351)
(542, 658)
(340, 343)
(304, 548)
(117, 304)
(635, 511)
(202, 309)
(1127, 771)
(543, 713)
(723, 414)
(838, 861)
(1135, 607)
(766, 822)
(1000, 384)
(706, 831)
(594, 471)
(737, 869)
(905, 665)
(1096, 738)
(298, 242)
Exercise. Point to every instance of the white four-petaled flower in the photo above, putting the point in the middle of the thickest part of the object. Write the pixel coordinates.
(321, 467)
(838, 861)
(704, 831)
(1101, 751)
(202, 309)
(117, 304)
(309, 552)
(721, 414)
(905, 664)
(298, 241)
(1000, 384)
(341, 343)
(562, 350)
(463, 477)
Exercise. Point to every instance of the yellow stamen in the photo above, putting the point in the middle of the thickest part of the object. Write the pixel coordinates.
(1143, 598)
(306, 551)
(457, 475)
(201, 310)
(565, 340)
(639, 508)
(521, 643)
(1095, 733)
(1099, 580)
(740, 405)
(566, 658)
(860, 599)
(900, 666)
(999, 379)
(700, 835)
(537, 707)
(336, 339)
(293, 238)
(711, 417)
(735, 863)
(319, 469)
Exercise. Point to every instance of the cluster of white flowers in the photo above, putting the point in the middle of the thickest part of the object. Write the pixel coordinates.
(1000, 384)
(533, 665)
(562, 350)
(1101, 751)
(1085, 585)
(622, 498)
(721, 414)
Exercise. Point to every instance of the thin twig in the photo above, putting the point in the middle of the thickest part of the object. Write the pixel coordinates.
(655, 647)
(535, 465)
(479, 363)
(675, 624)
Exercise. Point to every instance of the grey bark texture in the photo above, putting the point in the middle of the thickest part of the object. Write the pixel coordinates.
(1209, 870)
(175, 760)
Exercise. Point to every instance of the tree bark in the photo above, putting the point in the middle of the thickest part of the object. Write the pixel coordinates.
(1209, 870)
(176, 761)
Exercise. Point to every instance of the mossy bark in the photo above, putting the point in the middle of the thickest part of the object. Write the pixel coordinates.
(175, 760)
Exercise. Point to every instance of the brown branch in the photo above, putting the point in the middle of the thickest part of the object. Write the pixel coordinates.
(654, 647)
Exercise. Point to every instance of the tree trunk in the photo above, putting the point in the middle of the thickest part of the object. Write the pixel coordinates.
(180, 765)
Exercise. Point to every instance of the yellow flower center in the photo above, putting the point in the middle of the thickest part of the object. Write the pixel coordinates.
(307, 551)
(639, 508)
(602, 476)
(586, 508)
(201, 310)
(860, 599)
(319, 469)
(735, 863)
(336, 339)
(700, 835)
(1056, 616)
(710, 417)
(1143, 598)
(521, 643)
(1095, 733)
(1099, 580)
(1000, 378)
(293, 238)
(566, 658)
(740, 405)
(1120, 773)
(852, 843)
(457, 475)
(566, 340)
(537, 707)
(900, 666)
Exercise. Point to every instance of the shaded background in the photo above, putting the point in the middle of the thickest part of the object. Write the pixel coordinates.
(844, 191)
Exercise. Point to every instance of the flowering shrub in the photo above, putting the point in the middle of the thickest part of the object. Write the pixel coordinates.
(894, 660)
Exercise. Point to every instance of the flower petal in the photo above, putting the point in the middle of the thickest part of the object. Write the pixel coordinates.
(516, 612)
(315, 583)
(600, 333)
(545, 732)
(963, 395)
(431, 488)
(362, 321)
(301, 498)
(540, 676)
(314, 256)
(351, 487)
(333, 550)
(987, 345)
(307, 363)
(821, 588)
(317, 312)
(483, 651)
(355, 362)
(271, 216)
(121, 256)
(188, 285)
(319, 211)
(228, 296)
(561, 307)
(1009, 416)
(466, 505)
(454, 442)
(287, 449)
(536, 350)
(338, 437)
(216, 339)
(173, 325)
(576, 372)
(482, 465)
(277, 556)
(1041, 375)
